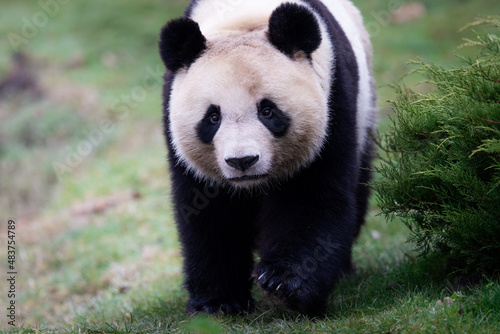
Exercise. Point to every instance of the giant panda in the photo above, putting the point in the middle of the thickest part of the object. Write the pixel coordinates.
(268, 109)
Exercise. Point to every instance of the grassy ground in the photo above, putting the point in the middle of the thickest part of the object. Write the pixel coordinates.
(83, 175)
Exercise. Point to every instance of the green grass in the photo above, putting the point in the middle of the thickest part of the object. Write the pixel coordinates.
(119, 270)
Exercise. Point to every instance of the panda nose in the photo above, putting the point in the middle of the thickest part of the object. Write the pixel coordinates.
(243, 163)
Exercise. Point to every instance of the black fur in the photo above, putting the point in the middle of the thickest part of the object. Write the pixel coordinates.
(293, 28)
(303, 230)
(363, 189)
(181, 43)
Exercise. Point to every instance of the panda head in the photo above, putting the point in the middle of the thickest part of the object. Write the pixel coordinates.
(246, 107)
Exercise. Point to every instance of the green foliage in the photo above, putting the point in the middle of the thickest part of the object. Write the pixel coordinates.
(441, 173)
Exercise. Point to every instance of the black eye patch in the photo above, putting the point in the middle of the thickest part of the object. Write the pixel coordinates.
(273, 118)
(208, 126)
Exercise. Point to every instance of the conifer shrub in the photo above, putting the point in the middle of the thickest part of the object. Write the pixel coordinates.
(440, 166)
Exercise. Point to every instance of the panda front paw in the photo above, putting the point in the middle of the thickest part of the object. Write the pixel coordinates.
(220, 307)
(281, 281)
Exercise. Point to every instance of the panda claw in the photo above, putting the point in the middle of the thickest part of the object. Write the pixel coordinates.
(261, 276)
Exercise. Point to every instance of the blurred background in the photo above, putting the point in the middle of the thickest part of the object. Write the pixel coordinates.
(83, 171)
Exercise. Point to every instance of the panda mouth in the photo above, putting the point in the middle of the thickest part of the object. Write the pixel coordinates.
(248, 178)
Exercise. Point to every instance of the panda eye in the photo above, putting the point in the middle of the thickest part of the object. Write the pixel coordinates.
(209, 124)
(273, 118)
(214, 118)
(267, 112)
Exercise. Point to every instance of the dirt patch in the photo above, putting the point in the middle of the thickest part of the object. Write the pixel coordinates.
(408, 12)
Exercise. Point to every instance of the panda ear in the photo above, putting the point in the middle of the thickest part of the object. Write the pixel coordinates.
(181, 43)
(293, 28)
